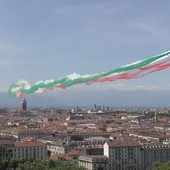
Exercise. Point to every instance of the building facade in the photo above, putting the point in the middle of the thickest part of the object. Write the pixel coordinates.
(29, 149)
(23, 105)
(154, 153)
(96, 162)
(123, 155)
(132, 155)
(6, 149)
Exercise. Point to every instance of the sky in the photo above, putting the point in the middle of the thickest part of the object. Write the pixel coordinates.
(42, 40)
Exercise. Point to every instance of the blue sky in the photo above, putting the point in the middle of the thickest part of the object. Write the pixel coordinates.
(42, 40)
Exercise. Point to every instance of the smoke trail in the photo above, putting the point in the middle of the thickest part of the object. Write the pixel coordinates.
(131, 71)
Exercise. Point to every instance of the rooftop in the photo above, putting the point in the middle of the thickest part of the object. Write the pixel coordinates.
(29, 144)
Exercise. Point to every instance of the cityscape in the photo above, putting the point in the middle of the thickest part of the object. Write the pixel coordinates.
(84, 85)
(96, 138)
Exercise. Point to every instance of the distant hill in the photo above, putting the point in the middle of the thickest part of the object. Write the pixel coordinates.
(74, 97)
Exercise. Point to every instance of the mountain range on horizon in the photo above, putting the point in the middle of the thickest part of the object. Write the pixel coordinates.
(82, 98)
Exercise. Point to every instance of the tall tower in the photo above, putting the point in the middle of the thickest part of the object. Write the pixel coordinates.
(23, 105)
(156, 117)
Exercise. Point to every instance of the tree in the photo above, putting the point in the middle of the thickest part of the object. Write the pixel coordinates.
(13, 163)
(160, 166)
(46, 164)
(4, 164)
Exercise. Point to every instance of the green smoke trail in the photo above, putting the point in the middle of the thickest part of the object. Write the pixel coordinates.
(22, 88)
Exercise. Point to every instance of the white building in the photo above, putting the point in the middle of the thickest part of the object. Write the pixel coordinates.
(123, 155)
(56, 149)
(96, 162)
(131, 155)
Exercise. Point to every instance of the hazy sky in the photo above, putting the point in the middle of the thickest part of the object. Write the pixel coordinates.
(41, 40)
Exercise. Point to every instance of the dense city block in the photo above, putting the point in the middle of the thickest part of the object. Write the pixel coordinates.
(96, 138)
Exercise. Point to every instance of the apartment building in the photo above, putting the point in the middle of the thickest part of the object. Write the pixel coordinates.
(37, 134)
(133, 155)
(6, 149)
(20, 133)
(124, 155)
(63, 146)
(91, 162)
(29, 149)
(154, 153)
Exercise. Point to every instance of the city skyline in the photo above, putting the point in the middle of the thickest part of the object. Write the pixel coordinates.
(42, 40)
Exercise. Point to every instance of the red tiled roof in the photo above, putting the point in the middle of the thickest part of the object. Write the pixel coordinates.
(60, 156)
(29, 144)
(73, 153)
(124, 144)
